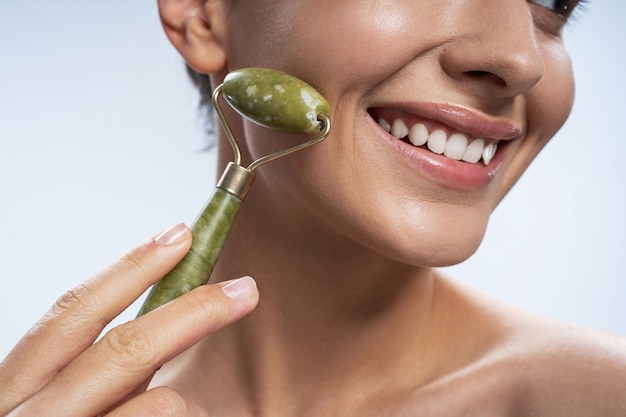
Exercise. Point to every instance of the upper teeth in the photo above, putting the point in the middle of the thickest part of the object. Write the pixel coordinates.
(456, 146)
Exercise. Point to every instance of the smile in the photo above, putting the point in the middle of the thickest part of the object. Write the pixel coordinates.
(455, 145)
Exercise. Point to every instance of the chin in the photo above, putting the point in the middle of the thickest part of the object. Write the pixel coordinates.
(437, 242)
(446, 252)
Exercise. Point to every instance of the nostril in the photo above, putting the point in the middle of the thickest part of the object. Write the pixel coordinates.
(486, 76)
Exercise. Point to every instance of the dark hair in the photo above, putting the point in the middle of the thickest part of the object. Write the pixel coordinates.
(203, 83)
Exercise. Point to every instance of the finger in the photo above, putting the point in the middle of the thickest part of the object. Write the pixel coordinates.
(140, 389)
(77, 318)
(159, 402)
(113, 367)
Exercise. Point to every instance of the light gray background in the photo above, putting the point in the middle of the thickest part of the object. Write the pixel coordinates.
(101, 148)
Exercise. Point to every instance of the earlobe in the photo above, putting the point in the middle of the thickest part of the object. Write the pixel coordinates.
(191, 26)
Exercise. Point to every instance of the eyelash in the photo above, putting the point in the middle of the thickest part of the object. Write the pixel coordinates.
(549, 19)
(569, 7)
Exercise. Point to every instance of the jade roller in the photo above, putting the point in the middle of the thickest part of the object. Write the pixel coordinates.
(269, 98)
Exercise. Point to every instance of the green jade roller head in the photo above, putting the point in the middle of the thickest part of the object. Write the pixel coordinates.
(271, 99)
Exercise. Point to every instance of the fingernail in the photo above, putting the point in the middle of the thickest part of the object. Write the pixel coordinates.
(240, 289)
(172, 235)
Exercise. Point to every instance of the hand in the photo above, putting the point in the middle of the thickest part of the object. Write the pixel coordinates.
(58, 370)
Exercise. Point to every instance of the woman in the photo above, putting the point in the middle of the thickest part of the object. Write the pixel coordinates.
(342, 238)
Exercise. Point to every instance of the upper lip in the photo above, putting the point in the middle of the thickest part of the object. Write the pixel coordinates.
(462, 119)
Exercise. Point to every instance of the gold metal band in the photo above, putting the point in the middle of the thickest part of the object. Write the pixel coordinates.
(236, 180)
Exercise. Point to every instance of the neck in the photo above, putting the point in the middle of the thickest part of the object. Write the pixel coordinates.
(325, 301)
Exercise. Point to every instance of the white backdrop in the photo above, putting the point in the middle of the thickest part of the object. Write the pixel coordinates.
(101, 148)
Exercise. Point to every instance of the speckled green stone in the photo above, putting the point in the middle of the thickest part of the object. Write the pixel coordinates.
(209, 231)
(275, 100)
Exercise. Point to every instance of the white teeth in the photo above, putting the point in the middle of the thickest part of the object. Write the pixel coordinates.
(455, 146)
(474, 151)
(437, 141)
(489, 152)
(418, 134)
(399, 129)
(385, 125)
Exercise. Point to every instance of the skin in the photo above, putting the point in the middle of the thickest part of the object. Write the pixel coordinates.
(343, 240)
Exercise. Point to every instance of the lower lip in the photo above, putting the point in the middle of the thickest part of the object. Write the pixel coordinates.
(442, 170)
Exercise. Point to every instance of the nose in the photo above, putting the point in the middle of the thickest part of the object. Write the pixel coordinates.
(495, 51)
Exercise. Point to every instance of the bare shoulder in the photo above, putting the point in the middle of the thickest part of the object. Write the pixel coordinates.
(545, 367)
(571, 370)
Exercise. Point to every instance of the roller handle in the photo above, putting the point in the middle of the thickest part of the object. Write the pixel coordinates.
(209, 231)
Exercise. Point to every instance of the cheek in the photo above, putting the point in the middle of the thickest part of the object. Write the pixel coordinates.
(327, 43)
(382, 28)
(551, 101)
(548, 106)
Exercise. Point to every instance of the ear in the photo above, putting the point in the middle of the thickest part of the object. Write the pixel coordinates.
(195, 28)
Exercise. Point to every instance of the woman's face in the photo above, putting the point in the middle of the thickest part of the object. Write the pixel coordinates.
(467, 77)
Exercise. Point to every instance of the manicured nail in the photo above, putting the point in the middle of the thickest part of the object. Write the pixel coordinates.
(172, 235)
(240, 289)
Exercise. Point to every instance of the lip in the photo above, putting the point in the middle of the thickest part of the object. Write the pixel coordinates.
(447, 172)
